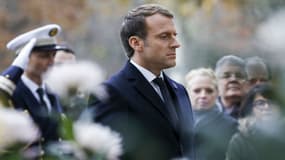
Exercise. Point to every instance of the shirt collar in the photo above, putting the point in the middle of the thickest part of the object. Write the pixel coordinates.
(146, 73)
(31, 84)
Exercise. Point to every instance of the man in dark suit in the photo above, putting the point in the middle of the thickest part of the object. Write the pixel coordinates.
(154, 121)
(31, 93)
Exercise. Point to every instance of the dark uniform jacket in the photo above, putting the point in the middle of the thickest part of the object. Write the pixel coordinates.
(23, 99)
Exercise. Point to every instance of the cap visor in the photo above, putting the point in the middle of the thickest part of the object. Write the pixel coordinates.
(46, 48)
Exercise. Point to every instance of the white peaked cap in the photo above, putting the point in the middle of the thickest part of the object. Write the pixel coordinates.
(44, 35)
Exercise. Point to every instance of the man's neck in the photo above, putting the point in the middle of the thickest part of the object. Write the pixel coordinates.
(35, 78)
(230, 102)
(148, 67)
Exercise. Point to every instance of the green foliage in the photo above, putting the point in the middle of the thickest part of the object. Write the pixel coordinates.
(66, 129)
(12, 153)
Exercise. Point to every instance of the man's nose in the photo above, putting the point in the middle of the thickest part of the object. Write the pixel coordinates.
(233, 77)
(203, 93)
(175, 43)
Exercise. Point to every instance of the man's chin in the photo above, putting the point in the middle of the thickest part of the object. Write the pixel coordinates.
(234, 98)
(234, 94)
(170, 65)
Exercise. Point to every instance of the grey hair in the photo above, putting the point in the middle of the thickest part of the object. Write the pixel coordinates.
(230, 60)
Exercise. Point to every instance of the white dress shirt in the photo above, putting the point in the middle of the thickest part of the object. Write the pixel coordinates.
(33, 88)
(149, 76)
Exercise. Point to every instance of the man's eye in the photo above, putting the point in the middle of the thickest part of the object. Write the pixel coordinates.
(164, 36)
(239, 75)
(226, 75)
(252, 81)
(197, 90)
(209, 90)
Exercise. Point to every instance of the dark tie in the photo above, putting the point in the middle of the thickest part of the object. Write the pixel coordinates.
(167, 99)
(43, 104)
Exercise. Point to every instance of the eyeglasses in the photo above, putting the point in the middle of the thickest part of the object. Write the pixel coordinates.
(228, 75)
(261, 103)
(255, 80)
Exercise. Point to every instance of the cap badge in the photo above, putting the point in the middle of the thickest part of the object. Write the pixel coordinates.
(53, 32)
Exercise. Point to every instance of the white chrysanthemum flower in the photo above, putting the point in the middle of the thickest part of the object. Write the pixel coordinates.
(16, 127)
(98, 139)
(271, 33)
(80, 76)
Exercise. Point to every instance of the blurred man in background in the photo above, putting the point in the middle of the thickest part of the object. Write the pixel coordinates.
(257, 71)
(231, 76)
(64, 54)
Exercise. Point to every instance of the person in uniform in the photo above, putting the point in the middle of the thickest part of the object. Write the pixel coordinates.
(31, 93)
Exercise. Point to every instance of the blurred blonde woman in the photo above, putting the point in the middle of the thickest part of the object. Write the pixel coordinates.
(213, 129)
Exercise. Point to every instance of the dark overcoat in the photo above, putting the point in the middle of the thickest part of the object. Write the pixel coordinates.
(136, 111)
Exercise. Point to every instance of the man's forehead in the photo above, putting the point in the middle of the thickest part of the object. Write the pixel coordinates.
(231, 67)
(158, 20)
(258, 75)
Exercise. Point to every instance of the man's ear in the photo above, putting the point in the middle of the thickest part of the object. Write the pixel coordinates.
(136, 43)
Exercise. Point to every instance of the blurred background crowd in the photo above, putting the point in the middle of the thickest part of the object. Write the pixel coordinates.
(207, 29)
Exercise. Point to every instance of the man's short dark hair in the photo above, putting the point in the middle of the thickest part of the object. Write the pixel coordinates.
(134, 23)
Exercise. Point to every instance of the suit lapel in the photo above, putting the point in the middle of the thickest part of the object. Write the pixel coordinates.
(28, 96)
(30, 101)
(182, 102)
(146, 90)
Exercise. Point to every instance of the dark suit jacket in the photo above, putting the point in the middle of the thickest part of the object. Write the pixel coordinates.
(136, 111)
(213, 131)
(23, 99)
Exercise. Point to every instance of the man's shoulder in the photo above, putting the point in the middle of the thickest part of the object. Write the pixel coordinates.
(121, 77)
(115, 81)
(21, 93)
(223, 116)
(174, 83)
(20, 87)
